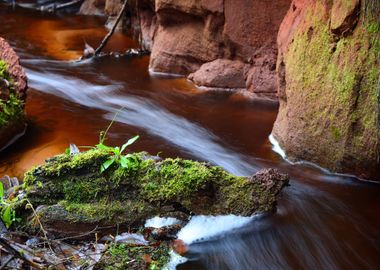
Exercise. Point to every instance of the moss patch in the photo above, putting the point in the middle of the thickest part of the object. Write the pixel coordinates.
(332, 94)
(11, 107)
(120, 257)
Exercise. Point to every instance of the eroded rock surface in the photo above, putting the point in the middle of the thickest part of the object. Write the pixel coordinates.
(184, 35)
(191, 33)
(329, 72)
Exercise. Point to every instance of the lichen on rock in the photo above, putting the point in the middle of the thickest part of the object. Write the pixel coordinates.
(70, 189)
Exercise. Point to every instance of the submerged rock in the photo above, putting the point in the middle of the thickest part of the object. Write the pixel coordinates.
(72, 195)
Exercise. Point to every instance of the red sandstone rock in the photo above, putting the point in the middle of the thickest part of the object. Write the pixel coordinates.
(113, 7)
(344, 16)
(183, 35)
(10, 132)
(329, 110)
(221, 73)
(14, 68)
(92, 7)
(191, 33)
(261, 78)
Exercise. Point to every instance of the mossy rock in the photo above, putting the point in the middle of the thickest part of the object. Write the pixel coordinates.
(12, 119)
(72, 190)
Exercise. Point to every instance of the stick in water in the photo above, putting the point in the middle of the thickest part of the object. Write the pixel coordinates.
(107, 37)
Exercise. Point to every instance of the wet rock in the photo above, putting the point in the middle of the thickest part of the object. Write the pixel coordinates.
(261, 77)
(180, 247)
(73, 196)
(328, 87)
(166, 233)
(221, 73)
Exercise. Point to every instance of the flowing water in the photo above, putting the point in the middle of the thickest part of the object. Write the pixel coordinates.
(322, 221)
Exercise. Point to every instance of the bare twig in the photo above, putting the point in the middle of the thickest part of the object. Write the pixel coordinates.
(29, 204)
(110, 33)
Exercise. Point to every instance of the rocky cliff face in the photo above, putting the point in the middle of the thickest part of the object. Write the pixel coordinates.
(327, 76)
(328, 69)
(184, 35)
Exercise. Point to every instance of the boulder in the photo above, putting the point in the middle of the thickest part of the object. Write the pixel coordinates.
(221, 73)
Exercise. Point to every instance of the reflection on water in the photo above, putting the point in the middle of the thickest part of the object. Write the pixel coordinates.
(322, 222)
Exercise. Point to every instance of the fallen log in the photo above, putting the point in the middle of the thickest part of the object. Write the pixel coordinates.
(72, 195)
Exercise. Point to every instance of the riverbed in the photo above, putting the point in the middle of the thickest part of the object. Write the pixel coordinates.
(323, 221)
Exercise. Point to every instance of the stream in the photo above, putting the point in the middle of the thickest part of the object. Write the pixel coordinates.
(323, 221)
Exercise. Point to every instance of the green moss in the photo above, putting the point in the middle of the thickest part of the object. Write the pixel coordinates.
(173, 178)
(334, 84)
(11, 108)
(131, 195)
(62, 165)
(121, 256)
(99, 211)
(336, 133)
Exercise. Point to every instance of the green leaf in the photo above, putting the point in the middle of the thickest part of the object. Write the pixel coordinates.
(7, 217)
(106, 165)
(129, 142)
(104, 147)
(124, 162)
(67, 151)
(1, 191)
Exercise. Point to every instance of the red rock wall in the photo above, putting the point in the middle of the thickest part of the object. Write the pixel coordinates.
(192, 33)
(14, 68)
(329, 73)
(184, 35)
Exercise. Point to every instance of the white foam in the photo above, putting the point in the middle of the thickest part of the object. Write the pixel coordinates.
(204, 227)
(175, 260)
(159, 222)
(276, 146)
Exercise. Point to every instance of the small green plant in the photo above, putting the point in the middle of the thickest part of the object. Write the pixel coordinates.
(8, 214)
(116, 155)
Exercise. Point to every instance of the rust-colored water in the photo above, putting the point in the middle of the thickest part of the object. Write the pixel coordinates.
(322, 222)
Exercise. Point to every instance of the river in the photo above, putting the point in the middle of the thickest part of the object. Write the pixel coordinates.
(323, 221)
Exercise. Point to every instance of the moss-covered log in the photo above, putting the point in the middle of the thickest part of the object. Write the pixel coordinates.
(72, 190)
